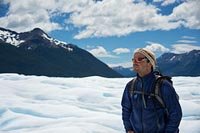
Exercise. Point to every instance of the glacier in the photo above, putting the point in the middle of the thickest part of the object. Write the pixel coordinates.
(40, 104)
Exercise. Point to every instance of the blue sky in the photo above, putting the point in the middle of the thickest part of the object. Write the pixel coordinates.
(110, 29)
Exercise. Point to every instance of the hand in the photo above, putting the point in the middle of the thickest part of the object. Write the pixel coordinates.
(130, 131)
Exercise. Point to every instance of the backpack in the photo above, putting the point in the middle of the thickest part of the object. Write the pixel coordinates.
(156, 89)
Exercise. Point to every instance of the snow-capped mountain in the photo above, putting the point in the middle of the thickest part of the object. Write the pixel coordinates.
(36, 53)
(186, 64)
(11, 37)
(36, 37)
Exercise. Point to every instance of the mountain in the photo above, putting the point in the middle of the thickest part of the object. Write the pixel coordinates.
(36, 53)
(186, 64)
(126, 72)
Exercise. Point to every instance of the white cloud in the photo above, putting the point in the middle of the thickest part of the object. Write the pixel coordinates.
(168, 2)
(121, 51)
(100, 51)
(118, 18)
(188, 14)
(25, 15)
(186, 44)
(188, 37)
(157, 0)
(122, 17)
(186, 41)
(99, 19)
(156, 47)
(182, 48)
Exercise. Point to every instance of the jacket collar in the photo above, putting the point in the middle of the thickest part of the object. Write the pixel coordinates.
(146, 77)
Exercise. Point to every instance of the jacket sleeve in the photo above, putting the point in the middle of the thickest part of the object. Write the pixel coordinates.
(173, 106)
(126, 109)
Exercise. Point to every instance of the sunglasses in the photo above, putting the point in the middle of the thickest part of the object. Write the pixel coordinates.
(140, 59)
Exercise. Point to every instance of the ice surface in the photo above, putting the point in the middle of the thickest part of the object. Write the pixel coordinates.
(39, 104)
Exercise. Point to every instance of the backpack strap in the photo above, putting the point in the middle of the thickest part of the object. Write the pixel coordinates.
(133, 91)
(157, 93)
(132, 88)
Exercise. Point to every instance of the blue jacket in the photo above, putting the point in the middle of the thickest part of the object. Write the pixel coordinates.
(152, 118)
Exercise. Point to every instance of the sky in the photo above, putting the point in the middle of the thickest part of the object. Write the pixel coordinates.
(110, 29)
(39, 104)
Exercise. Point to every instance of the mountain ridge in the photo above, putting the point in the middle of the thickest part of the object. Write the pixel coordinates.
(185, 64)
(172, 64)
(36, 53)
